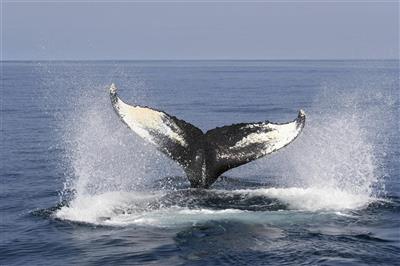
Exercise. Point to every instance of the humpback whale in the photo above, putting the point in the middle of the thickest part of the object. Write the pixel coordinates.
(205, 156)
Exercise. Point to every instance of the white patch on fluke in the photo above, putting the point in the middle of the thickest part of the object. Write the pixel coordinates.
(273, 136)
(143, 120)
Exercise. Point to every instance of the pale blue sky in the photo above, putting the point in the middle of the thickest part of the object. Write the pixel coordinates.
(173, 30)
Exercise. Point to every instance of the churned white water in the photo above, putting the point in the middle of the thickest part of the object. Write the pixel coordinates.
(121, 209)
(312, 199)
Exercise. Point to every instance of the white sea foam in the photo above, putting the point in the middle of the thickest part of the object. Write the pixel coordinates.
(174, 216)
(121, 209)
(97, 209)
(313, 199)
(124, 209)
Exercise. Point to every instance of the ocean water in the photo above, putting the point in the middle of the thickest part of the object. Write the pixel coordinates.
(78, 187)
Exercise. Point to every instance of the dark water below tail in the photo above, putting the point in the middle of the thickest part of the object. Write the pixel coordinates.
(77, 187)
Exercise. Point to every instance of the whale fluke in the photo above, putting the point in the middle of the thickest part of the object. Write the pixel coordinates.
(205, 156)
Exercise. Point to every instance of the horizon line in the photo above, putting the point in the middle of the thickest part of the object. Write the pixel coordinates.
(208, 59)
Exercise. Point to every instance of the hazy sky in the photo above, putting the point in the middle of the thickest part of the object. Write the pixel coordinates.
(200, 30)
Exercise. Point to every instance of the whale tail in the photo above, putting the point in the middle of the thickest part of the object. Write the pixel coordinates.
(205, 156)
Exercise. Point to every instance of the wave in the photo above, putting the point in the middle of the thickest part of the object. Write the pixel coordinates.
(314, 199)
(174, 208)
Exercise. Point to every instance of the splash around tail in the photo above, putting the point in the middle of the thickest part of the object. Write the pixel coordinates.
(205, 156)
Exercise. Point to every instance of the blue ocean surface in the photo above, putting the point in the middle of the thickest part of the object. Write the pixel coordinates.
(79, 188)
